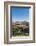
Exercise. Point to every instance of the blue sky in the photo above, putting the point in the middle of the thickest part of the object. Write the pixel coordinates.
(19, 14)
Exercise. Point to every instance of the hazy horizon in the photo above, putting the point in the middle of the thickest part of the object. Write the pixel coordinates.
(19, 21)
(19, 14)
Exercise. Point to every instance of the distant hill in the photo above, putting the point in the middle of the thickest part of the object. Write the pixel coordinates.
(20, 23)
(25, 23)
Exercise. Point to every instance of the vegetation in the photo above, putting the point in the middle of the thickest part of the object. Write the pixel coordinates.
(20, 29)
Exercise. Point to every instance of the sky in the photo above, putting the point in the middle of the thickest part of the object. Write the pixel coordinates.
(19, 14)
